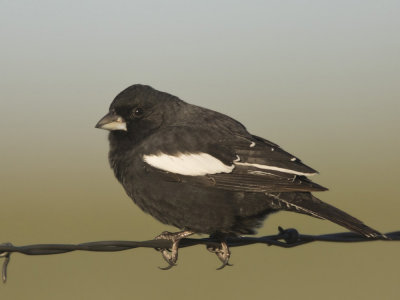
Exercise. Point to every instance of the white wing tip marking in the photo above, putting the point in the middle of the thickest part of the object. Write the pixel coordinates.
(273, 168)
(261, 173)
(252, 144)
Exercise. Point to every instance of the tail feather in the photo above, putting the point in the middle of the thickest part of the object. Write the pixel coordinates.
(306, 203)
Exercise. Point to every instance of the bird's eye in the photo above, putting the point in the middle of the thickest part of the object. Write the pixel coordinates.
(138, 112)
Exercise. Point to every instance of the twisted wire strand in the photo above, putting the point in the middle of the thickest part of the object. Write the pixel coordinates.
(286, 238)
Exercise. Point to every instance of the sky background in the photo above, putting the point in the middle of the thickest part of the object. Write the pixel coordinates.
(320, 78)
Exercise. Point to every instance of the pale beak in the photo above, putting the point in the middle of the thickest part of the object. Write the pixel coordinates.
(112, 121)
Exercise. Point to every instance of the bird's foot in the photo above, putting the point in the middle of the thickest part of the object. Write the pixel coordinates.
(171, 255)
(223, 253)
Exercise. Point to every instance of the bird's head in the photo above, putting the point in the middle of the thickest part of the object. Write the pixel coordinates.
(138, 110)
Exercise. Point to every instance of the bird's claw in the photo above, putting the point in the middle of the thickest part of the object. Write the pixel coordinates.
(169, 258)
(223, 253)
(171, 255)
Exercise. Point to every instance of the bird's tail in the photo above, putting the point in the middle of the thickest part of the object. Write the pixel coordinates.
(308, 204)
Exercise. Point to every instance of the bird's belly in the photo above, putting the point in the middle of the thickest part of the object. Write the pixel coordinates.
(198, 208)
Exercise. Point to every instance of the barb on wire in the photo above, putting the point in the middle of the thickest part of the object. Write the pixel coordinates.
(286, 238)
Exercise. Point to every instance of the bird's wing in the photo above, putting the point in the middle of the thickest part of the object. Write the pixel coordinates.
(225, 161)
(240, 163)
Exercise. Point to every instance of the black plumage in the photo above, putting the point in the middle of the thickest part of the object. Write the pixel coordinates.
(202, 172)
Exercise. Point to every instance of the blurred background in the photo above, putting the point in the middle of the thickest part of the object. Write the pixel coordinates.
(320, 78)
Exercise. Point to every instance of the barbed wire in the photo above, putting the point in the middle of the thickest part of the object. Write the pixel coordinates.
(286, 238)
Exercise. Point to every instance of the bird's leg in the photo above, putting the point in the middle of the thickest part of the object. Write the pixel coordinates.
(171, 255)
(223, 253)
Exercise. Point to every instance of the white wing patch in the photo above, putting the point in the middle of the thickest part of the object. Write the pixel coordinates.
(272, 168)
(190, 164)
(200, 164)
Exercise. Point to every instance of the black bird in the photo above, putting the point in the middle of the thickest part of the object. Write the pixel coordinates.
(201, 171)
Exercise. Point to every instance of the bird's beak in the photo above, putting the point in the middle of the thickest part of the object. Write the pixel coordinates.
(112, 121)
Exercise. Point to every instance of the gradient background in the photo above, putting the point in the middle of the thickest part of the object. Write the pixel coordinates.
(320, 78)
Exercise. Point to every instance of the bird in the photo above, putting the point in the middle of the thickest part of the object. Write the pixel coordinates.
(203, 172)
